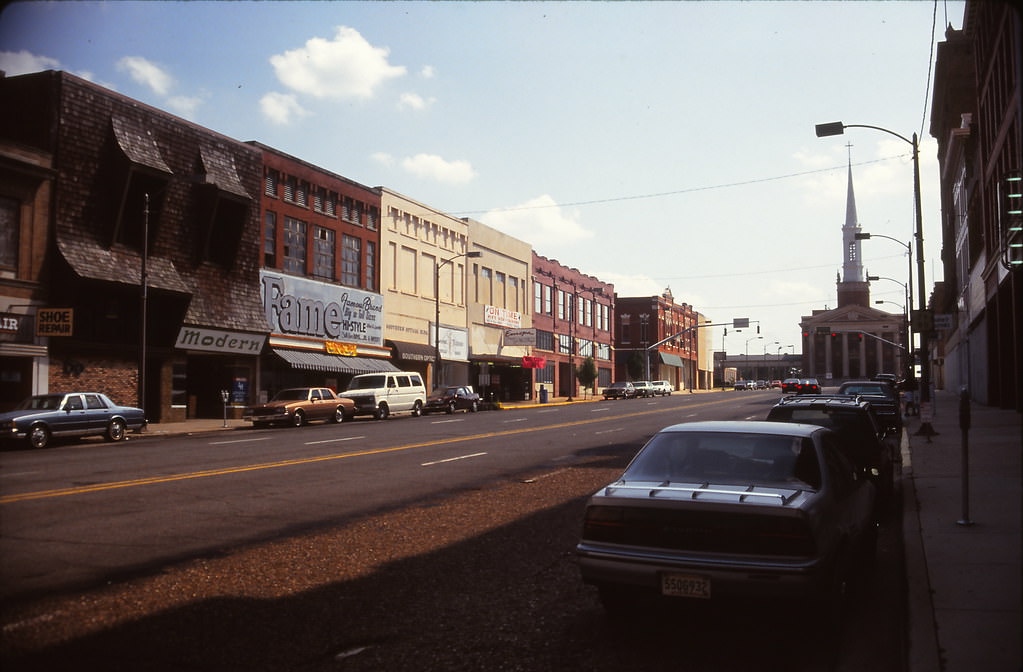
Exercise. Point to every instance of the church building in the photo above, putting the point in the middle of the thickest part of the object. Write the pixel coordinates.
(853, 340)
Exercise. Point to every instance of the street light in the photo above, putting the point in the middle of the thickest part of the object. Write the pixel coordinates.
(862, 235)
(838, 128)
(436, 306)
(751, 338)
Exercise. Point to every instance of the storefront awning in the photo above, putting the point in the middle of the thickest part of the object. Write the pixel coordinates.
(317, 361)
(496, 359)
(672, 359)
(413, 352)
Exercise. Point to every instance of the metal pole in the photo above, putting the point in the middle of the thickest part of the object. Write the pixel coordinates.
(964, 428)
(925, 364)
(436, 326)
(144, 298)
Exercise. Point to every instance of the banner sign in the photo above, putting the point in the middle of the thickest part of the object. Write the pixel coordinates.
(303, 307)
(520, 337)
(534, 362)
(502, 317)
(10, 323)
(215, 340)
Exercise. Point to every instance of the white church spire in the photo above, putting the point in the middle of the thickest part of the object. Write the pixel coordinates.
(852, 263)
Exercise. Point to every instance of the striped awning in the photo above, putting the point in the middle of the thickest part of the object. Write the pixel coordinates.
(318, 361)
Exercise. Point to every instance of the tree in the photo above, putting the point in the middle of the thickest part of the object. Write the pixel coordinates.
(587, 374)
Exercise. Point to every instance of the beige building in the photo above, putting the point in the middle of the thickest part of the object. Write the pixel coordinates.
(423, 249)
(500, 326)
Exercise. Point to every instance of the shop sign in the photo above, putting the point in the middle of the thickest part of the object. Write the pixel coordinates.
(534, 362)
(502, 317)
(305, 307)
(341, 349)
(215, 340)
(520, 337)
(454, 344)
(9, 323)
(55, 322)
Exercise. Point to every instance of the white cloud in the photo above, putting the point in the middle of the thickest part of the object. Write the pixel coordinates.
(632, 285)
(383, 158)
(184, 106)
(413, 101)
(428, 72)
(23, 62)
(539, 220)
(433, 167)
(281, 108)
(147, 73)
(346, 67)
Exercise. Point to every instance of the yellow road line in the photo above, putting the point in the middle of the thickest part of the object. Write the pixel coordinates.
(154, 480)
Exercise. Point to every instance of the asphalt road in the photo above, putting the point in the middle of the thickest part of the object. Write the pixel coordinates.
(92, 514)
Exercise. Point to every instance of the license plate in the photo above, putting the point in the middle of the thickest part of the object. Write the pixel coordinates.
(685, 585)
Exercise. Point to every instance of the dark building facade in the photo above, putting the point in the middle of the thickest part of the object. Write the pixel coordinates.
(151, 262)
(977, 119)
(645, 321)
(573, 315)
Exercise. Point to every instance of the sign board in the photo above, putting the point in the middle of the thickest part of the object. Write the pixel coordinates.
(301, 307)
(10, 323)
(502, 317)
(926, 411)
(740, 323)
(55, 322)
(216, 340)
(534, 362)
(943, 321)
(520, 337)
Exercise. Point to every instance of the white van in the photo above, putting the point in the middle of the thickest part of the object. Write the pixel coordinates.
(380, 394)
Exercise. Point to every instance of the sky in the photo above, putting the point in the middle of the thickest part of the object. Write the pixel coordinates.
(651, 145)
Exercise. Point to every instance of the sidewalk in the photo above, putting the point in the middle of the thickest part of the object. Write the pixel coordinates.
(963, 563)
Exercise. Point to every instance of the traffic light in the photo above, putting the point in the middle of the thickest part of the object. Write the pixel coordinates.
(1010, 211)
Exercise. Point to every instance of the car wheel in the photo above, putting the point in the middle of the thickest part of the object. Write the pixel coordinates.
(298, 419)
(339, 414)
(382, 412)
(417, 409)
(474, 406)
(39, 436)
(115, 430)
(451, 407)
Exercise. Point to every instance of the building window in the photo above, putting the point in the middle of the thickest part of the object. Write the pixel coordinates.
(545, 341)
(513, 299)
(270, 239)
(319, 196)
(485, 291)
(565, 344)
(561, 304)
(499, 290)
(302, 193)
(351, 260)
(289, 189)
(548, 299)
(546, 374)
(537, 298)
(323, 252)
(371, 266)
(10, 223)
(270, 182)
(294, 245)
(372, 218)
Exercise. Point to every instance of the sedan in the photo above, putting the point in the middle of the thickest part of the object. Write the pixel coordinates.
(298, 405)
(711, 510)
(790, 386)
(809, 386)
(453, 398)
(644, 388)
(620, 390)
(39, 418)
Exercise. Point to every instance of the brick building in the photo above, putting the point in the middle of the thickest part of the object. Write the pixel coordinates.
(644, 321)
(573, 316)
(151, 247)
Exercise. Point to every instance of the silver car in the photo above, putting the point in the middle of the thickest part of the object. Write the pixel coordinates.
(708, 510)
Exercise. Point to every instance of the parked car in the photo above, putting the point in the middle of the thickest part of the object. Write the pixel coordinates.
(39, 418)
(790, 386)
(744, 385)
(762, 385)
(453, 398)
(711, 510)
(663, 388)
(381, 394)
(775, 384)
(868, 443)
(298, 405)
(809, 386)
(644, 388)
(882, 396)
(621, 390)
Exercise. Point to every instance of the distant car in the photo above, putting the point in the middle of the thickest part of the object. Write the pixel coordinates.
(744, 385)
(809, 386)
(790, 386)
(712, 510)
(72, 414)
(299, 405)
(868, 442)
(453, 398)
(644, 388)
(761, 385)
(620, 390)
(882, 396)
(662, 387)
(775, 384)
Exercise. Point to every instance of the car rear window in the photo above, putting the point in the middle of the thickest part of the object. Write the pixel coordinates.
(715, 457)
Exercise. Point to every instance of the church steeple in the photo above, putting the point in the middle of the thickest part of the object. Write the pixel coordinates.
(852, 288)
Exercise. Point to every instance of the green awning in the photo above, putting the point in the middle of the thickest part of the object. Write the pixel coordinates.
(672, 359)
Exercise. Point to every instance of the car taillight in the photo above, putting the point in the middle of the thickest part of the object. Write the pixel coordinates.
(604, 523)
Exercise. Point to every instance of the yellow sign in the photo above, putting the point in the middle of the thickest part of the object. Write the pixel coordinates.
(55, 322)
(342, 349)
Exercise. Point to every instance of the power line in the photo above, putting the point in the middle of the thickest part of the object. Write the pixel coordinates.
(678, 191)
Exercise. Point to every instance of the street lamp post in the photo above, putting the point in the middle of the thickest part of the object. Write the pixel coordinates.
(751, 338)
(436, 307)
(908, 294)
(838, 128)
